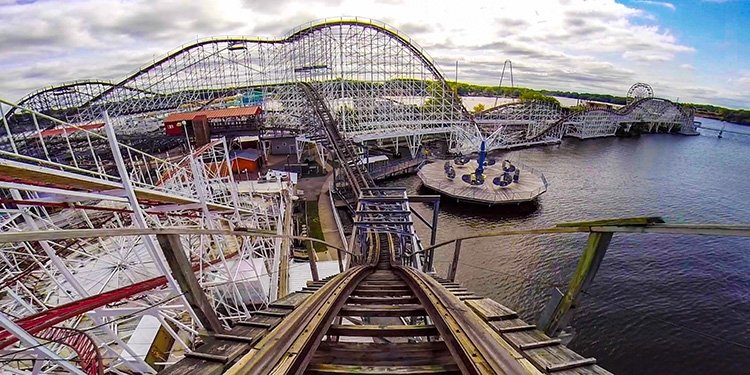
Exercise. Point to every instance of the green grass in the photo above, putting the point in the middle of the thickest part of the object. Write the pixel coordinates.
(313, 226)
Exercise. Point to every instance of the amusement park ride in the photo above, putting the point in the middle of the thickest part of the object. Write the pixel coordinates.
(125, 250)
(489, 183)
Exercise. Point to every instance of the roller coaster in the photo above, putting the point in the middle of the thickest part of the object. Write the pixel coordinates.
(382, 286)
(105, 238)
(379, 84)
(537, 122)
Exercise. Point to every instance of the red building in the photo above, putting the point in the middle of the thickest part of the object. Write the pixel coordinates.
(245, 161)
(219, 120)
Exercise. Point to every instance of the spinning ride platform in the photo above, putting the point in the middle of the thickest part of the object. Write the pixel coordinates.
(529, 185)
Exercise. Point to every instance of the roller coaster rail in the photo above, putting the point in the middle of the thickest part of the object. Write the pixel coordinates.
(599, 234)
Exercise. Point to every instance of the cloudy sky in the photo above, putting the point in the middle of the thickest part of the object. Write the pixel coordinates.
(691, 51)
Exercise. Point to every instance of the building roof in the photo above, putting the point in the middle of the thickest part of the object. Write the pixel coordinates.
(248, 154)
(69, 130)
(372, 159)
(253, 110)
(247, 138)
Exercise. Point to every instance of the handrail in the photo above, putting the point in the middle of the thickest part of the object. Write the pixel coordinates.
(337, 219)
(557, 314)
(64, 234)
(739, 230)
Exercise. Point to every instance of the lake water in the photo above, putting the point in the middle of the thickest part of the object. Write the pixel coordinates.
(656, 298)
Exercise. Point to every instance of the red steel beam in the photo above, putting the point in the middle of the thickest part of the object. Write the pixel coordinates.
(48, 318)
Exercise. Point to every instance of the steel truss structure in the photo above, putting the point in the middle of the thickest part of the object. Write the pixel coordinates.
(650, 114)
(521, 124)
(88, 296)
(379, 84)
(536, 122)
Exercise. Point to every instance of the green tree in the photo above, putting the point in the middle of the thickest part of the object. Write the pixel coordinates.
(478, 108)
(529, 95)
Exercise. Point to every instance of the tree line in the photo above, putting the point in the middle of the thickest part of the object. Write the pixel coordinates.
(737, 116)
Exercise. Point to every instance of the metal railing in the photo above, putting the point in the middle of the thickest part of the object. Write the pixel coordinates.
(85, 152)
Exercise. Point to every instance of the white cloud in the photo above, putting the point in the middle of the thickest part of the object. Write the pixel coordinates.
(658, 3)
(687, 66)
(648, 56)
(574, 45)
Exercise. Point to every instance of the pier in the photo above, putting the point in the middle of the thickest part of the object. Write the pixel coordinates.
(721, 130)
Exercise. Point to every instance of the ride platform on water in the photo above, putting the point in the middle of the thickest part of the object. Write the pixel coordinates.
(484, 180)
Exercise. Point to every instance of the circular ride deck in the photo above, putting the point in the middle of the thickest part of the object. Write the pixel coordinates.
(530, 185)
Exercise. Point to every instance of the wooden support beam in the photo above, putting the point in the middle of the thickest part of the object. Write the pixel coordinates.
(311, 256)
(207, 357)
(382, 300)
(382, 310)
(405, 370)
(273, 314)
(383, 330)
(250, 323)
(539, 344)
(454, 264)
(433, 234)
(182, 271)
(245, 339)
(519, 328)
(585, 272)
(631, 221)
(571, 365)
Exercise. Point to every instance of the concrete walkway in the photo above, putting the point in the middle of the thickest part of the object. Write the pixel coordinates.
(316, 188)
(327, 221)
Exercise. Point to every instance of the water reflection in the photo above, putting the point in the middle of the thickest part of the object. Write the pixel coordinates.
(647, 283)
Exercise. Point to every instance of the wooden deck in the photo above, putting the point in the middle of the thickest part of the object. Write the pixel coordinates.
(529, 186)
(546, 354)
(219, 352)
